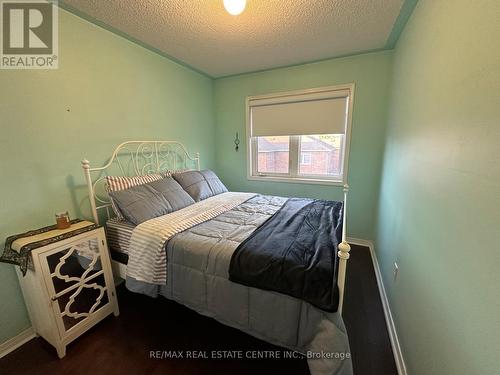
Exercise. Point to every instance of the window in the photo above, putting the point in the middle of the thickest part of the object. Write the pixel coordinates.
(300, 136)
(305, 158)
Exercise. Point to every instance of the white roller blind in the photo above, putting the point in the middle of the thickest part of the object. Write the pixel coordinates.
(310, 113)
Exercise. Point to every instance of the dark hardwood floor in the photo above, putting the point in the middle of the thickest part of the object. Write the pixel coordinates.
(364, 318)
(123, 345)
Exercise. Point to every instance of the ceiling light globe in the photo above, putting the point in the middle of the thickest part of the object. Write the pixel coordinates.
(235, 7)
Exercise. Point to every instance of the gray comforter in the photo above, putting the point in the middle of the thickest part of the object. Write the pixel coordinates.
(198, 277)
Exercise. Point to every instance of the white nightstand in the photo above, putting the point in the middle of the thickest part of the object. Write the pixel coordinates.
(69, 286)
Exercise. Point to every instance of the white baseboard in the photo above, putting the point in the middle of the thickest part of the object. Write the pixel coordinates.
(396, 348)
(15, 342)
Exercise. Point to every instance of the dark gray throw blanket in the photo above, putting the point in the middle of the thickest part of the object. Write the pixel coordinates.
(294, 252)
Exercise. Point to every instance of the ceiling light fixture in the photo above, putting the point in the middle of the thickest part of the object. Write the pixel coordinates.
(235, 7)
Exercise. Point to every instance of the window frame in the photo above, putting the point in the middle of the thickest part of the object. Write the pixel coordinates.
(293, 175)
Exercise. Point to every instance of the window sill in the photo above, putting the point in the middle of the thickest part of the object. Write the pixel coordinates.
(297, 180)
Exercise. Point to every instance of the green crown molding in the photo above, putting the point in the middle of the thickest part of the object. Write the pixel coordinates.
(404, 15)
(363, 52)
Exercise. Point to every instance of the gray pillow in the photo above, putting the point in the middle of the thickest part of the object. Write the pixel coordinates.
(200, 184)
(143, 202)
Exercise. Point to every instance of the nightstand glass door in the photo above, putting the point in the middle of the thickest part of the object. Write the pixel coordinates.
(76, 280)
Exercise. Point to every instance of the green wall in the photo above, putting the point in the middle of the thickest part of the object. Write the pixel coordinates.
(437, 164)
(105, 91)
(370, 72)
(440, 195)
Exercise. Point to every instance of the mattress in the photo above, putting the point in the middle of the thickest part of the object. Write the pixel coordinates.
(118, 233)
(198, 277)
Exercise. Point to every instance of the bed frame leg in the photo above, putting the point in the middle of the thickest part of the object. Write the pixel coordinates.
(343, 254)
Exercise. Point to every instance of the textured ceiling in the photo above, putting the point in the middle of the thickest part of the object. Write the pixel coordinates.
(268, 34)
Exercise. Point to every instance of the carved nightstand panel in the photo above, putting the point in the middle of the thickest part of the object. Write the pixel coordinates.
(69, 288)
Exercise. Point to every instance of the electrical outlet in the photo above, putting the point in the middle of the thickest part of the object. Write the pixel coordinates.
(395, 270)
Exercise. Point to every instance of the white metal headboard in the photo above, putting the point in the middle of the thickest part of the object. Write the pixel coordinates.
(134, 158)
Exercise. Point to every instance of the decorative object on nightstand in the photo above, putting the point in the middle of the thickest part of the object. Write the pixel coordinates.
(62, 220)
(66, 279)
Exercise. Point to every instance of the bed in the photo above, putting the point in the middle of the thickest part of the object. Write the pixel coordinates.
(198, 257)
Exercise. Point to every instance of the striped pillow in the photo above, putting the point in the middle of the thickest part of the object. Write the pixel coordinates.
(117, 183)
